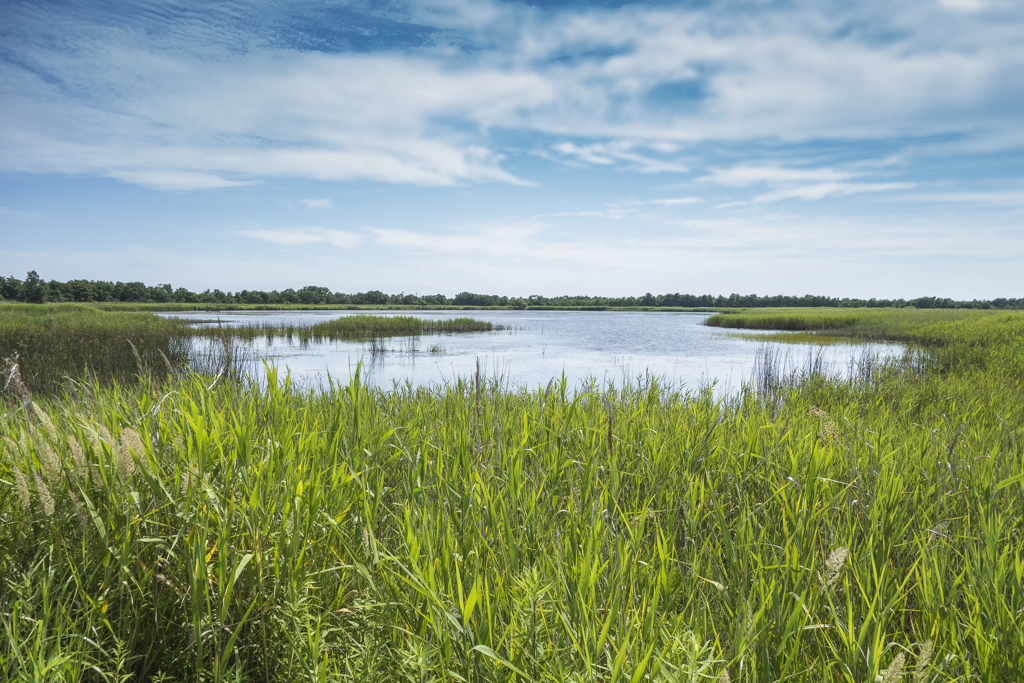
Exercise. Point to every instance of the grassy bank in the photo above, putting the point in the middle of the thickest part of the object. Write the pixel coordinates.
(830, 529)
(929, 327)
(57, 341)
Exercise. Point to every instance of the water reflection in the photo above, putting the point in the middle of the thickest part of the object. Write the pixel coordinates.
(536, 347)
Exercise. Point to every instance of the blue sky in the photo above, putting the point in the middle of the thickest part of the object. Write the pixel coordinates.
(851, 149)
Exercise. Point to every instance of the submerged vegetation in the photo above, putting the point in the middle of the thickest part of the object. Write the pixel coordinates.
(809, 527)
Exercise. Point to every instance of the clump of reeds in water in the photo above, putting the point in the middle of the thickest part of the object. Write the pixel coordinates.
(354, 327)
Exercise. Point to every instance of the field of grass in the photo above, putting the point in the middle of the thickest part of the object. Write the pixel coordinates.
(807, 528)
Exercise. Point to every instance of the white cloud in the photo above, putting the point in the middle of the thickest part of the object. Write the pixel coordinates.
(192, 106)
(817, 191)
(678, 201)
(18, 215)
(608, 153)
(808, 184)
(741, 176)
(318, 203)
(295, 237)
(1008, 198)
(503, 240)
(963, 5)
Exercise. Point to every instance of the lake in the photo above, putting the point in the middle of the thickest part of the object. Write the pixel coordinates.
(611, 347)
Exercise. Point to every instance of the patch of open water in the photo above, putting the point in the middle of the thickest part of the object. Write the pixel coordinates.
(538, 346)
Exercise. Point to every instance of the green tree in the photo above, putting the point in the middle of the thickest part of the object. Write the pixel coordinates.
(33, 290)
(81, 291)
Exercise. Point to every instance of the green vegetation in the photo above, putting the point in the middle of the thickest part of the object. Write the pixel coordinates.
(934, 327)
(811, 527)
(165, 297)
(57, 341)
(354, 327)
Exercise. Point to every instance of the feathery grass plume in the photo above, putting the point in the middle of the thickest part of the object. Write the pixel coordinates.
(748, 620)
(833, 568)
(50, 460)
(138, 359)
(79, 511)
(829, 432)
(45, 497)
(77, 453)
(11, 445)
(724, 678)
(167, 364)
(14, 381)
(124, 462)
(21, 486)
(924, 658)
(818, 413)
(98, 438)
(44, 420)
(130, 442)
(895, 671)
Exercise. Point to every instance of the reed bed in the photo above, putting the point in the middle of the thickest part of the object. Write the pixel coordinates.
(56, 341)
(352, 327)
(810, 527)
(933, 327)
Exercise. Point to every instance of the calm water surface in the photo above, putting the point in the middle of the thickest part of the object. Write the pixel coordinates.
(609, 347)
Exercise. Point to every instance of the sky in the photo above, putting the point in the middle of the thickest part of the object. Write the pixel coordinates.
(867, 149)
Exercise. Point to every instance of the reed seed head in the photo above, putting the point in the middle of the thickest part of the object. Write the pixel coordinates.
(924, 659)
(44, 420)
(833, 567)
(895, 671)
(10, 445)
(21, 486)
(79, 511)
(51, 462)
(124, 462)
(78, 454)
(131, 440)
(45, 497)
(817, 413)
(14, 381)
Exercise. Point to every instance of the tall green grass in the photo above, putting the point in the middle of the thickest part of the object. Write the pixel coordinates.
(352, 327)
(57, 341)
(810, 527)
(930, 327)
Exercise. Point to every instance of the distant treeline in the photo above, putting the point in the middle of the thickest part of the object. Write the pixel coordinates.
(33, 289)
